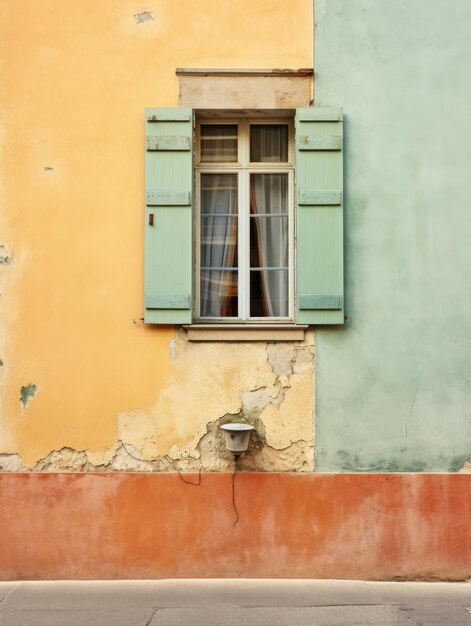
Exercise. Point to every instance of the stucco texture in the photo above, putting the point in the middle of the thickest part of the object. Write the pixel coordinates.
(393, 386)
(141, 525)
(80, 373)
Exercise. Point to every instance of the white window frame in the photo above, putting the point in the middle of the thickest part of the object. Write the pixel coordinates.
(243, 168)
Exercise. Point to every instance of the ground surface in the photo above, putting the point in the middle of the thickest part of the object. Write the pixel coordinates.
(234, 602)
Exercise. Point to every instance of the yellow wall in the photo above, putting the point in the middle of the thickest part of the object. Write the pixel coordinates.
(76, 77)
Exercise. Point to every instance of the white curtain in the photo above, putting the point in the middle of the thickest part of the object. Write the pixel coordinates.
(269, 245)
(218, 245)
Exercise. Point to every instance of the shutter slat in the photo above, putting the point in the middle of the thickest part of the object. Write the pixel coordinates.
(168, 198)
(328, 142)
(319, 114)
(319, 180)
(168, 219)
(316, 196)
(169, 115)
(177, 301)
(172, 142)
(320, 301)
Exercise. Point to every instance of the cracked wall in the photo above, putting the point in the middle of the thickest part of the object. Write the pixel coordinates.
(269, 385)
(85, 385)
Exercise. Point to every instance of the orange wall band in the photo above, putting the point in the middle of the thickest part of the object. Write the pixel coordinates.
(127, 525)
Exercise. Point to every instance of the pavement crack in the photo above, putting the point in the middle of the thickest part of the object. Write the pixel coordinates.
(154, 613)
(310, 606)
(8, 594)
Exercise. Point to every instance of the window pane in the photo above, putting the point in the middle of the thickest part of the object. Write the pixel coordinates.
(269, 242)
(269, 293)
(269, 245)
(219, 242)
(219, 194)
(219, 143)
(218, 245)
(269, 194)
(269, 232)
(219, 293)
(269, 143)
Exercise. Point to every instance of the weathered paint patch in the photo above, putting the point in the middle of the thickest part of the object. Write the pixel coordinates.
(5, 257)
(27, 392)
(268, 385)
(151, 525)
(291, 420)
(214, 383)
(351, 462)
(458, 463)
(145, 16)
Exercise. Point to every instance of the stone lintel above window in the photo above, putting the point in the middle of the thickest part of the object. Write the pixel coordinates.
(204, 88)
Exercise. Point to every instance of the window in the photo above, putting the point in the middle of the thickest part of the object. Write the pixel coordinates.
(244, 222)
(244, 219)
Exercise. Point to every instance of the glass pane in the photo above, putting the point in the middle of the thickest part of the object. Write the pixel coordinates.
(218, 194)
(269, 293)
(269, 242)
(269, 194)
(219, 293)
(219, 143)
(269, 143)
(269, 228)
(219, 242)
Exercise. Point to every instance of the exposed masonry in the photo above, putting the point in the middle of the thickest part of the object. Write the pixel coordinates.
(281, 411)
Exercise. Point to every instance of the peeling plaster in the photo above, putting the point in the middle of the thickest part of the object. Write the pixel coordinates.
(280, 357)
(207, 382)
(268, 385)
(173, 349)
(5, 257)
(291, 421)
(253, 402)
(12, 463)
(145, 16)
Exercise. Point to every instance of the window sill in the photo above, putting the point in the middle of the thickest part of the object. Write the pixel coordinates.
(253, 332)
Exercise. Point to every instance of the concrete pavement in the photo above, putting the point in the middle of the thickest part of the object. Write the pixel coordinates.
(234, 602)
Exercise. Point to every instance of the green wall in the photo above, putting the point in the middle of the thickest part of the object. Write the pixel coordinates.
(393, 386)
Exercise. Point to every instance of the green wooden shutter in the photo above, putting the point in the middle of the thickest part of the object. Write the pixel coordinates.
(319, 225)
(168, 216)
